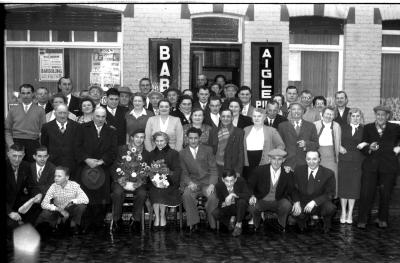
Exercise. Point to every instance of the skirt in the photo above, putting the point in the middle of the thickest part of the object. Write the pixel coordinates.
(254, 158)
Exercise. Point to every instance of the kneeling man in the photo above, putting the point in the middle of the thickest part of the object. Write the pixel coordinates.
(199, 176)
(271, 188)
(314, 189)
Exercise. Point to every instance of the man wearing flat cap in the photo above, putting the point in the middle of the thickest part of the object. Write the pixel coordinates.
(381, 146)
(271, 187)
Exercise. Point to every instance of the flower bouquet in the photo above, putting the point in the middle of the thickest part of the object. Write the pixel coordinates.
(158, 174)
(131, 171)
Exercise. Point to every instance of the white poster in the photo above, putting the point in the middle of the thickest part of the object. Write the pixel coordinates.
(51, 64)
(106, 68)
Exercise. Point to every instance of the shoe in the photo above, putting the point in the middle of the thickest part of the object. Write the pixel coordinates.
(237, 231)
(362, 225)
(194, 228)
(280, 228)
(383, 224)
(76, 230)
(343, 219)
(349, 220)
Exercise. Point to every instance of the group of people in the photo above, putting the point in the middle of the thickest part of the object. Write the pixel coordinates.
(69, 157)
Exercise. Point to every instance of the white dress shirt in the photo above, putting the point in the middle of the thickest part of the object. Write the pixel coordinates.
(112, 111)
(194, 151)
(275, 174)
(215, 118)
(133, 113)
(68, 99)
(245, 109)
(325, 139)
(254, 141)
(315, 171)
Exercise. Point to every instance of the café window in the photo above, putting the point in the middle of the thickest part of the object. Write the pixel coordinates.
(390, 77)
(316, 54)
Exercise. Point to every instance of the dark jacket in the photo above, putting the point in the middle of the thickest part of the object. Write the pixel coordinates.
(239, 188)
(46, 178)
(234, 152)
(244, 121)
(260, 183)
(119, 123)
(278, 119)
(171, 158)
(324, 186)
(74, 106)
(384, 159)
(181, 116)
(342, 120)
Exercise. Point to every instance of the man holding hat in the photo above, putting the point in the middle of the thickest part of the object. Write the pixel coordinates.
(271, 187)
(382, 140)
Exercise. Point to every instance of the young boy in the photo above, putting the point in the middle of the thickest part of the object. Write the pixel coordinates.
(69, 201)
(233, 196)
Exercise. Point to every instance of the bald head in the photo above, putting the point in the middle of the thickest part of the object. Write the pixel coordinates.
(99, 116)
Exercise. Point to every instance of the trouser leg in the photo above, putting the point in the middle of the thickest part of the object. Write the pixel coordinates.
(138, 202)
(117, 197)
(211, 204)
(241, 208)
(386, 184)
(190, 205)
(367, 195)
(76, 212)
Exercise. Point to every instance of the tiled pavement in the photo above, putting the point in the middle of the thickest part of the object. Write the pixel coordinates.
(344, 243)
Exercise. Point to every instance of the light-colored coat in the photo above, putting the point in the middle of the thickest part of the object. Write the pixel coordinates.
(337, 133)
(174, 131)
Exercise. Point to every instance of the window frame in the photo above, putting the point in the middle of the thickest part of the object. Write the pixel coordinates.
(390, 50)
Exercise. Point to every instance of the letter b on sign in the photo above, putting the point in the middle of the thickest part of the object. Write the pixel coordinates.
(164, 53)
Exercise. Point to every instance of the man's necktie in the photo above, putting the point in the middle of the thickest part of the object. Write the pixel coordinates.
(270, 122)
(62, 129)
(297, 127)
(26, 108)
(310, 183)
(194, 153)
(39, 173)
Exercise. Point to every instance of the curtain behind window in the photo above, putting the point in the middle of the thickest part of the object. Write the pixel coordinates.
(390, 85)
(80, 65)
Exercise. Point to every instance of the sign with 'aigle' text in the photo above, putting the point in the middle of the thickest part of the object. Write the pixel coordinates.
(165, 63)
(266, 72)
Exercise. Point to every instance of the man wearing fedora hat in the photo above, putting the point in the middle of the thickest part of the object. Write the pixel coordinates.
(271, 187)
(125, 97)
(381, 146)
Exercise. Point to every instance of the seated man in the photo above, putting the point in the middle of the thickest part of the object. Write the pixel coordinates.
(314, 188)
(199, 176)
(118, 186)
(68, 201)
(19, 188)
(233, 195)
(272, 187)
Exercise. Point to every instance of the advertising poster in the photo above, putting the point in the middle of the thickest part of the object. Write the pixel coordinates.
(106, 68)
(51, 64)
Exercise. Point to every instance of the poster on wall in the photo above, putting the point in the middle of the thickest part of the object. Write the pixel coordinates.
(165, 63)
(106, 68)
(51, 64)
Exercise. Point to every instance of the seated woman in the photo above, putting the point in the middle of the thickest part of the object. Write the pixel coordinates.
(239, 120)
(197, 118)
(166, 194)
(185, 104)
(123, 181)
(87, 107)
(56, 100)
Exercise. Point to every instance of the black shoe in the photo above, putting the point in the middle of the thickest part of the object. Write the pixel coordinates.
(280, 228)
(76, 230)
(194, 228)
(135, 227)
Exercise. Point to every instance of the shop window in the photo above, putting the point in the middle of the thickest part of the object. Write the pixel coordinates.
(17, 35)
(61, 36)
(390, 76)
(83, 36)
(107, 36)
(314, 39)
(39, 35)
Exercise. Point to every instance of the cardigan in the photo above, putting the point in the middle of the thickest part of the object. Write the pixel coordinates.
(337, 136)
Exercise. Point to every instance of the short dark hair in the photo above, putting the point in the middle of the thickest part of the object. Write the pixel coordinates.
(59, 95)
(41, 148)
(164, 100)
(292, 87)
(63, 168)
(306, 91)
(182, 98)
(43, 88)
(245, 88)
(17, 147)
(341, 91)
(27, 86)
(64, 77)
(196, 109)
(87, 99)
(138, 94)
(272, 102)
(216, 98)
(136, 132)
(319, 154)
(281, 96)
(219, 76)
(194, 130)
(319, 98)
(178, 92)
(204, 88)
(228, 173)
(225, 109)
(143, 79)
(235, 100)
(112, 91)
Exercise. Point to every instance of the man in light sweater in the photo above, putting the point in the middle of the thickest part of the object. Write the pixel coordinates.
(24, 122)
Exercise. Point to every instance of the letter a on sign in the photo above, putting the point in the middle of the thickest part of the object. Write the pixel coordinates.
(266, 53)
(164, 70)
(164, 53)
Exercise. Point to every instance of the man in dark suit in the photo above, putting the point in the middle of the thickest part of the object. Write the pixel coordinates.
(59, 136)
(42, 170)
(65, 86)
(233, 195)
(19, 188)
(342, 111)
(273, 118)
(203, 94)
(271, 187)
(298, 135)
(199, 177)
(381, 146)
(116, 115)
(314, 189)
(244, 94)
(42, 96)
(292, 94)
(96, 150)
(227, 144)
(212, 116)
(145, 88)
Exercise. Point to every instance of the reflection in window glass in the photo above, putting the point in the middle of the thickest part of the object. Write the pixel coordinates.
(85, 36)
(107, 36)
(16, 35)
(39, 35)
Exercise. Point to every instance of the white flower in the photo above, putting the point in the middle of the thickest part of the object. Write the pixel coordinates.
(133, 174)
(124, 157)
(128, 158)
(118, 170)
(128, 152)
(139, 157)
(133, 150)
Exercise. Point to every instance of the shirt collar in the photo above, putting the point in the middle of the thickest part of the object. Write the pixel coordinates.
(59, 124)
(111, 110)
(38, 167)
(29, 105)
(144, 112)
(315, 171)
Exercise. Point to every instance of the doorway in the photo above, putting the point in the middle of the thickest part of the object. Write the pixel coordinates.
(215, 59)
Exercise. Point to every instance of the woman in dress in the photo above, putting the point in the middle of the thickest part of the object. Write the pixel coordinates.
(239, 120)
(87, 107)
(166, 123)
(184, 109)
(259, 139)
(56, 100)
(137, 118)
(169, 196)
(197, 118)
(350, 160)
(330, 136)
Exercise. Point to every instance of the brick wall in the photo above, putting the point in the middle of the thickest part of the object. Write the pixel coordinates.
(152, 21)
(362, 61)
(265, 27)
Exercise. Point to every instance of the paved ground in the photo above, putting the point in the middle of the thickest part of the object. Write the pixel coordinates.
(344, 243)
